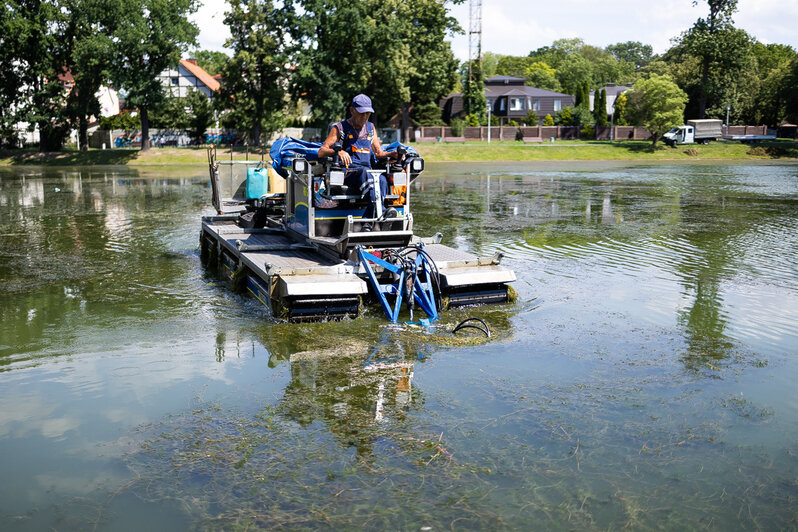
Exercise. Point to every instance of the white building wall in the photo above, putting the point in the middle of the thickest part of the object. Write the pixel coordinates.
(179, 82)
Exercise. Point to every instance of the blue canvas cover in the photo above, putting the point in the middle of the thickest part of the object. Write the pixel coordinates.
(411, 152)
(288, 147)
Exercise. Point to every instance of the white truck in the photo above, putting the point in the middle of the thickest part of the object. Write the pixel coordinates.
(700, 131)
(704, 130)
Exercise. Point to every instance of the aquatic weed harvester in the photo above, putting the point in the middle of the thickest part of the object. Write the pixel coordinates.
(295, 237)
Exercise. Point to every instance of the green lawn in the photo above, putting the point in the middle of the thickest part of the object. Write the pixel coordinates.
(563, 150)
(627, 150)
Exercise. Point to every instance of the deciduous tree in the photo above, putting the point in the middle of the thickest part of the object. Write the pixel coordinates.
(658, 104)
(211, 61)
(149, 39)
(705, 40)
(254, 79)
(633, 52)
(394, 51)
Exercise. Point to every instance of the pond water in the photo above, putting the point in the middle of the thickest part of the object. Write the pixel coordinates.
(644, 378)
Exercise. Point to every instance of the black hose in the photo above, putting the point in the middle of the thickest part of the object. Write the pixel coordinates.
(465, 325)
(435, 276)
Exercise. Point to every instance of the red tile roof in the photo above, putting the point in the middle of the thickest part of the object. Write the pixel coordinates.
(192, 66)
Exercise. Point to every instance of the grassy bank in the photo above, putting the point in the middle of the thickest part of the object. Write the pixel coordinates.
(472, 151)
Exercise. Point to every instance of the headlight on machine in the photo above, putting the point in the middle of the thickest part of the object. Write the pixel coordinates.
(417, 165)
(299, 166)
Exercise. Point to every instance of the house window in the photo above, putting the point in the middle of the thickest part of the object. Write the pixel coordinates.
(516, 104)
(557, 105)
(490, 103)
(536, 105)
(502, 104)
(175, 81)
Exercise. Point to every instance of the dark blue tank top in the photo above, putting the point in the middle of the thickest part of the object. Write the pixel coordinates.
(357, 143)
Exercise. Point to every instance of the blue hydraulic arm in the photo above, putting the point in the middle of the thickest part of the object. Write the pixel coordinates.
(422, 291)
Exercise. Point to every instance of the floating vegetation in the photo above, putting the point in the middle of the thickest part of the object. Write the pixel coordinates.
(352, 444)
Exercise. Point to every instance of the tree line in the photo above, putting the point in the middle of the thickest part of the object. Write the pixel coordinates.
(319, 51)
(712, 68)
(322, 52)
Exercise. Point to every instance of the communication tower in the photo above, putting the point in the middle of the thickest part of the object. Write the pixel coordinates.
(474, 34)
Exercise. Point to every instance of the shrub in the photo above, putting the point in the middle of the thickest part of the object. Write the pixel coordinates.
(587, 132)
(512, 123)
(519, 135)
(427, 114)
(125, 120)
(472, 121)
(692, 152)
(458, 126)
(548, 121)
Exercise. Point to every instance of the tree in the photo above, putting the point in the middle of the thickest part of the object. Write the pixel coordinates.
(474, 101)
(772, 66)
(510, 65)
(542, 76)
(658, 104)
(394, 51)
(149, 39)
(564, 117)
(573, 116)
(558, 52)
(170, 113)
(586, 95)
(574, 70)
(428, 114)
(619, 109)
(89, 53)
(490, 63)
(704, 41)
(33, 59)
(634, 52)
(600, 108)
(255, 75)
(17, 18)
(211, 61)
(790, 88)
(548, 120)
(200, 115)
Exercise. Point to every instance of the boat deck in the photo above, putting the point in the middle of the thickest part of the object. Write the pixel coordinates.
(285, 274)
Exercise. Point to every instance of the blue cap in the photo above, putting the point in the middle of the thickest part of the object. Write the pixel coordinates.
(362, 104)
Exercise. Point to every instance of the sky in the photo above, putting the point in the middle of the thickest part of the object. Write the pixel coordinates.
(516, 27)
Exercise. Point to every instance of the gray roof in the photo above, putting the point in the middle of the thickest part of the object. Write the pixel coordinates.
(614, 90)
(524, 90)
(503, 80)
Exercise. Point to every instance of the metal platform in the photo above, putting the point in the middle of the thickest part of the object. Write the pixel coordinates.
(298, 281)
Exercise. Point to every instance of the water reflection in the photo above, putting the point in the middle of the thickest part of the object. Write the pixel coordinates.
(353, 390)
(656, 364)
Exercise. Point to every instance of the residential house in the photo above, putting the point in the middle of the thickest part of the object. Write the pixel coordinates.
(106, 96)
(187, 76)
(510, 99)
(613, 91)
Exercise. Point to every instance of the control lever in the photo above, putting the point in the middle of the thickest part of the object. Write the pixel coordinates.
(401, 152)
(337, 147)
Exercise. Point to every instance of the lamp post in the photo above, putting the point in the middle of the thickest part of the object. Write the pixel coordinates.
(488, 122)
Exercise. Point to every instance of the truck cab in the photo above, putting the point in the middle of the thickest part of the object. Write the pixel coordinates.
(679, 135)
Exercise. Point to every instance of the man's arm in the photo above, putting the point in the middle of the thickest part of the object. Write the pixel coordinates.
(327, 151)
(377, 148)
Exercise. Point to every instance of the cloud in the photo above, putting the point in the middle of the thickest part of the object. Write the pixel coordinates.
(210, 19)
(516, 27)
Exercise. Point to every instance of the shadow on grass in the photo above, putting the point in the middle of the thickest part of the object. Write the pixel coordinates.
(76, 158)
(639, 146)
(777, 149)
